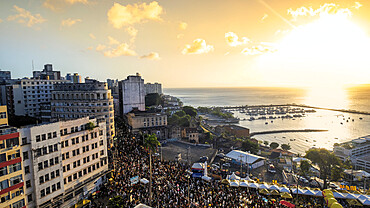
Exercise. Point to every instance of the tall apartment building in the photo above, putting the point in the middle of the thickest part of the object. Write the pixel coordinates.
(75, 78)
(153, 88)
(47, 73)
(25, 96)
(71, 101)
(66, 161)
(5, 75)
(11, 173)
(131, 94)
(357, 150)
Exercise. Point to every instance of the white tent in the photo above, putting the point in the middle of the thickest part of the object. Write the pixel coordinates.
(357, 173)
(365, 201)
(253, 185)
(142, 206)
(284, 189)
(264, 186)
(243, 183)
(298, 159)
(294, 191)
(245, 157)
(206, 178)
(349, 196)
(144, 181)
(199, 166)
(234, 183)
(318, 193)
(338, 195)
(362, 197)
(233, 177)
(274, 187)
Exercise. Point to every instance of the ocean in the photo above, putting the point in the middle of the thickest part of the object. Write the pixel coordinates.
(339, 130)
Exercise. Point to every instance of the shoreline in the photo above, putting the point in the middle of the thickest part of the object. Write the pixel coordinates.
(298, 105)
(286, 131)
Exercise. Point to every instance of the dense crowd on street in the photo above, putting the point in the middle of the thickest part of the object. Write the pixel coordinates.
(172, 187)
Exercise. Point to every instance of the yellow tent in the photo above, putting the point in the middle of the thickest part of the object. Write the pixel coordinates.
(330, 201)
(336, 205)
(82, 203)
(275, 192)
(264, 191)
(286, 195)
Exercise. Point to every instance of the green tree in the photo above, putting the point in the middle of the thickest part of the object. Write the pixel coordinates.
(153, 99)
(329, 164)
(116, 202)
(190, 111)
(304, 168)
(180, 113)
(184, 121)
(151, 143)
(248, 145)
(286, 147)
(274, 145)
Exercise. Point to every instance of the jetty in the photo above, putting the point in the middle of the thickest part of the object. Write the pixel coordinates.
(286, 131)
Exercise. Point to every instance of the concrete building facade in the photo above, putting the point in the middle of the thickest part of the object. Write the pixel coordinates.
(71, 101)
(131, 94)
(153, 88)
(11, 171)
(148, 123)
(65, 161)
(47, 73)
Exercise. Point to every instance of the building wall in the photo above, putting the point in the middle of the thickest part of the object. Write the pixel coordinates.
(71, 101)
(44, 150)
(84, 156)
(11, 173)
(3, 115)
(133, 94)
(153, 88)
(146, 120)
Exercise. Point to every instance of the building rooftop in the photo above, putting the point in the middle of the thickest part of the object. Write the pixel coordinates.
(356, 143)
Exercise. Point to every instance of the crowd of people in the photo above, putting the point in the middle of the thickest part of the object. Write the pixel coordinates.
(174, 187)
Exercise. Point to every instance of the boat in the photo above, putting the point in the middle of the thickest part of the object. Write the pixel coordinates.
(341, 123)
(272, 121)
(266, 123)
(360, 118)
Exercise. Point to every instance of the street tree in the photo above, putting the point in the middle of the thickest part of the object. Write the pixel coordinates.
(274, 145)
(190, 111)
(286, 147)
(329, 164)
(151, 143)
(304, 168)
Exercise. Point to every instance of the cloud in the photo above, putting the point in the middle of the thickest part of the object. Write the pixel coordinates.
(122, 50)
(69, 22)
(151, 56)
(265, 16)
(25, 17)
(233, 40)
(199, 46)
(259, 49)
(326, 9)
(183, 25)
(113, 41)
(132, 32)
(100, 47)
(357, 5)
(92, 36)
(57, 5)
(130, 14)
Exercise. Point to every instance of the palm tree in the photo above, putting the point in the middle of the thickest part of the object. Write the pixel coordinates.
(151, 143)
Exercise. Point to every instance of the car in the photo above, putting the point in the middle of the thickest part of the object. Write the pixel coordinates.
(226, 165)
(203, 158)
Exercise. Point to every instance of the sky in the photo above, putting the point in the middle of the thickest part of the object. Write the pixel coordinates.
(189, 43)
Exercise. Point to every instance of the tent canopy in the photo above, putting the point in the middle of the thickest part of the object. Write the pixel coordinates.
(199, 166)
(244, 156)
(233, 177)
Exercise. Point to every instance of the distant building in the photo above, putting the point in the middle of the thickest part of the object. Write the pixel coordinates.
(25, 96)
(75, 78)
(148, 123)
(11, 167)
(63, 161)
(131, 94)
(5, 75)
(47, 73)
(153, 88)
(113, 86)
(191, 134)
(71, 101)
(357, 151)
(237, 131)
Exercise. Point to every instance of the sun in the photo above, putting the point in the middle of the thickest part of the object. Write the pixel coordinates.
(331, 50)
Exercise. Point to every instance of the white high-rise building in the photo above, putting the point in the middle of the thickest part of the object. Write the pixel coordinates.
(65, 161)
(131, 94)
(153, 88)
(78, 100)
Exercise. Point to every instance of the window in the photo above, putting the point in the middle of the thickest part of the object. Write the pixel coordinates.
(75, 176)
(28, 184)
(42, 193)
(55, 147)
(52, 175)
(38, 138)
(12, 142)
(40, 166)
(41, 178)
(80, 174)
(63, 157)
(51, 161)
(25, 156)
(56, 160)
(69, 178)
(48, 190)
(77, 140)
(101, 142)
(49, 135)
(50, 148)
(68, 167)
(67, 155)
(101, 152)
(66, 143)
(54, 134)
(74, 164)
(73, 141)
(44, 151)
(57, 173)
(43, 137)
(27, 169)
(24, 140)
(74, 153)
(29, 198)
(47, 177)
(46, 164)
